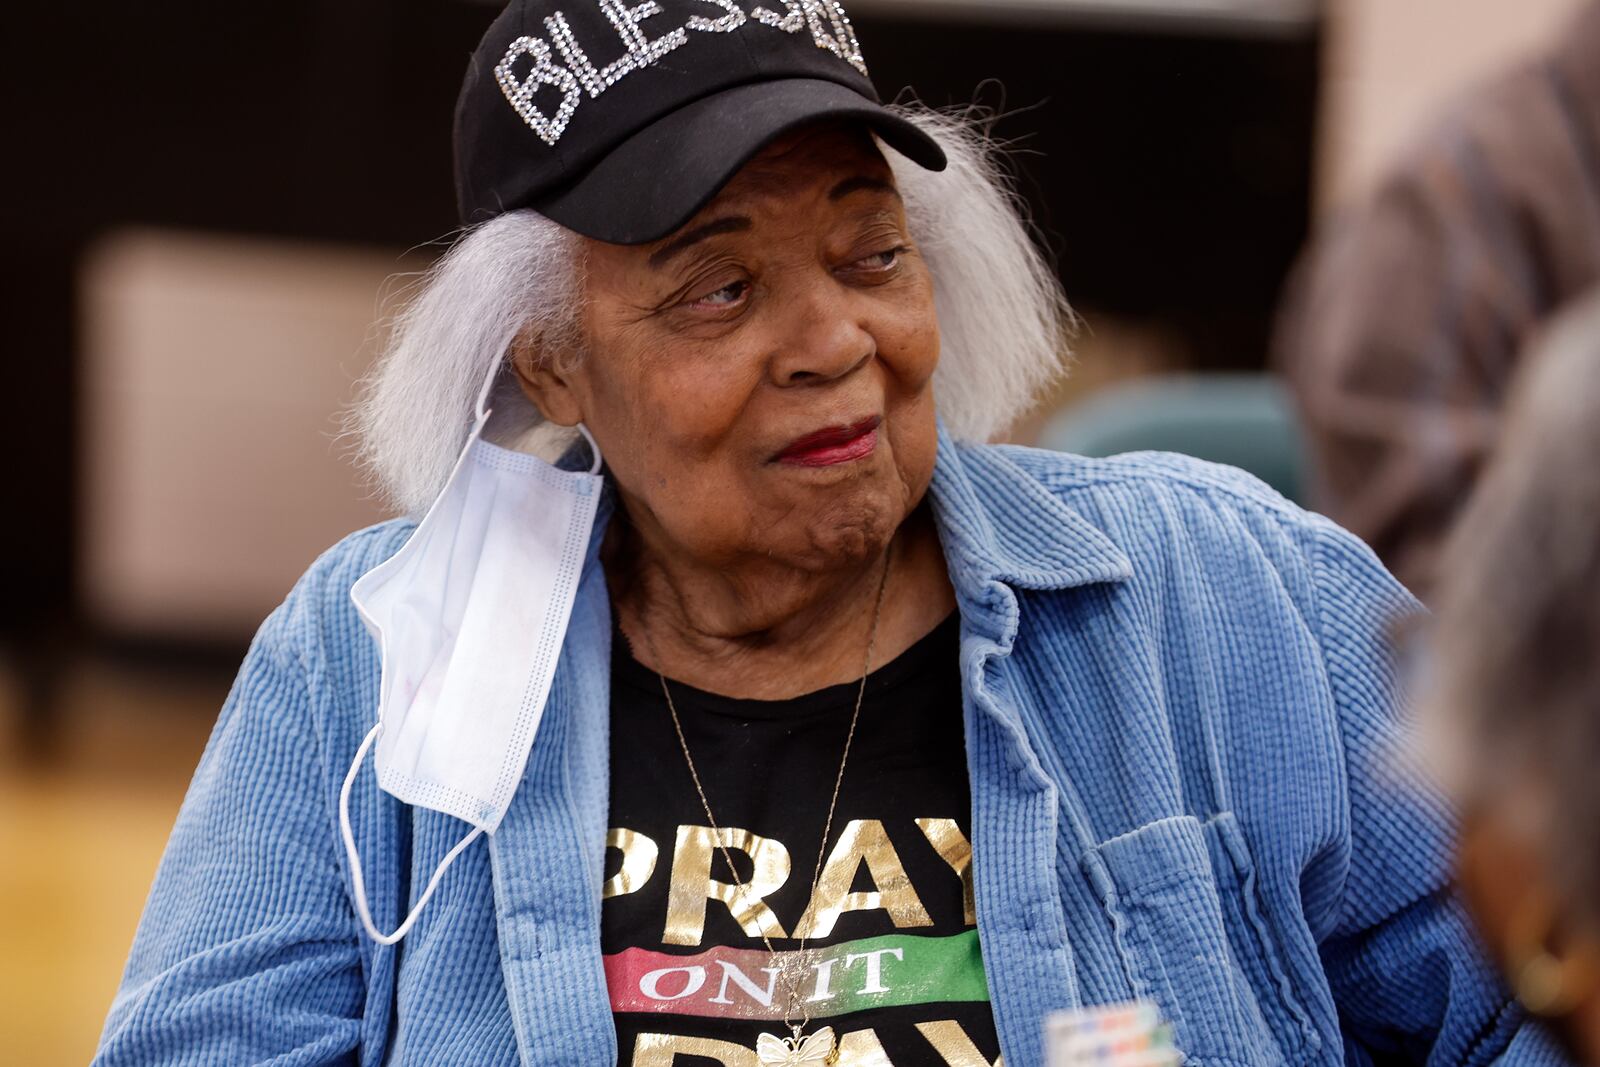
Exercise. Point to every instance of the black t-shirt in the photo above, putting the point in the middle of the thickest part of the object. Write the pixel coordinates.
(892, 960)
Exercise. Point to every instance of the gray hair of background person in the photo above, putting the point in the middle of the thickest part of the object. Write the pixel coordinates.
(1514, 709)
(1003, 319)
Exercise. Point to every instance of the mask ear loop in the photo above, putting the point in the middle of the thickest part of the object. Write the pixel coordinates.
(481, 409)
(359, 882)
(594, 449)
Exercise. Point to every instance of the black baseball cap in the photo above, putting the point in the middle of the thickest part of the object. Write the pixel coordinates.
(620, 120)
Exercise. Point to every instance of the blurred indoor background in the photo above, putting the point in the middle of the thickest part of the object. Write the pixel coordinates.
(208, 206)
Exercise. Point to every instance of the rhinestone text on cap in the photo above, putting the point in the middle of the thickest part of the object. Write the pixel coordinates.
(520, 93)
(836, 34)
(826, 21)
(731, 21)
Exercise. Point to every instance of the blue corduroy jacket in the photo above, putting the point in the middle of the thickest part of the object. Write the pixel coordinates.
(1180, 725)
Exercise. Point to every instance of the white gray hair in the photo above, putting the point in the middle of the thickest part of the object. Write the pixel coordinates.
(1003, 320)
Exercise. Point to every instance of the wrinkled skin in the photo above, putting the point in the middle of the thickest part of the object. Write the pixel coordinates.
(794, 302)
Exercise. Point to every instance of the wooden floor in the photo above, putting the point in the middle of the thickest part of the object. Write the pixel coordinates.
(80, 836)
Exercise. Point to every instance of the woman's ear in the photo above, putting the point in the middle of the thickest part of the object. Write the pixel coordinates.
(547, 379)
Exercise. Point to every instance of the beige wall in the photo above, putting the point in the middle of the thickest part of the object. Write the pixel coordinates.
(215, 371)
(1393, 62)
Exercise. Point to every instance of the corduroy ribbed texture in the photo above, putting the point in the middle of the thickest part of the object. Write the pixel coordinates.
(1180, 730)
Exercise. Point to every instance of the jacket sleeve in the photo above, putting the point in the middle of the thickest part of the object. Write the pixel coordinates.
(247, 950)
(1401, 957)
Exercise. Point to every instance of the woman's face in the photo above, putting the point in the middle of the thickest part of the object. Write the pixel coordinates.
(760, 381)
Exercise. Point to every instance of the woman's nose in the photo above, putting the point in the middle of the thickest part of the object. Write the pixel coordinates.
(822, 340)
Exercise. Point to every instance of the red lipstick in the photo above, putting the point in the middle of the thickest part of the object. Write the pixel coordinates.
(836, 444)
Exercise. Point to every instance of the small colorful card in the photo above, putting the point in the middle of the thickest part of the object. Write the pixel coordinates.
(1116, 1035)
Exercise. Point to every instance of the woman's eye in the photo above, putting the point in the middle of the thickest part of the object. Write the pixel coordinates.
(727, 296)
(880, 261)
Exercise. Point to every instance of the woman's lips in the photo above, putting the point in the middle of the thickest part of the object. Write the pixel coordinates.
(836, 444)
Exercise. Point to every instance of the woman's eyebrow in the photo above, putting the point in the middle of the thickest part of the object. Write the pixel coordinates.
(862, 181)
(732, 224)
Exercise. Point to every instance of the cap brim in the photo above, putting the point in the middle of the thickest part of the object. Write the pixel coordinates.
(657, 179)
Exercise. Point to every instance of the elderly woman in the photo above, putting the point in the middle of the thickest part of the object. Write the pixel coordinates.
(1514, 709)
(805, 728)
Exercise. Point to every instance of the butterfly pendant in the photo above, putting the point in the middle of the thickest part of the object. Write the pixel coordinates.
(815, 1050)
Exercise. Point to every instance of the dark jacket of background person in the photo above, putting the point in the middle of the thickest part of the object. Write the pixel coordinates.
(1403, 326)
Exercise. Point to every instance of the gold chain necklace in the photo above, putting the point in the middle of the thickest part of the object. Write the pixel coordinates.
(798, 1049)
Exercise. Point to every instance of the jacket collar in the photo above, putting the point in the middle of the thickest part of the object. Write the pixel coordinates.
(1000, 523)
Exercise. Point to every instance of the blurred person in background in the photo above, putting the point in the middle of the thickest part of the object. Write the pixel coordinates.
(1404, 324)
(1513, 713)
(770, 714)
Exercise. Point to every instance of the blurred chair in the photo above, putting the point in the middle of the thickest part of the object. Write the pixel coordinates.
(1243, 420)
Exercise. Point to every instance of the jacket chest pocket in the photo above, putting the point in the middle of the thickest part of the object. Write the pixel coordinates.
(1181, 895)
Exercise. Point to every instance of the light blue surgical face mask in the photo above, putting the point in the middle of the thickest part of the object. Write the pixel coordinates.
(469, 616)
